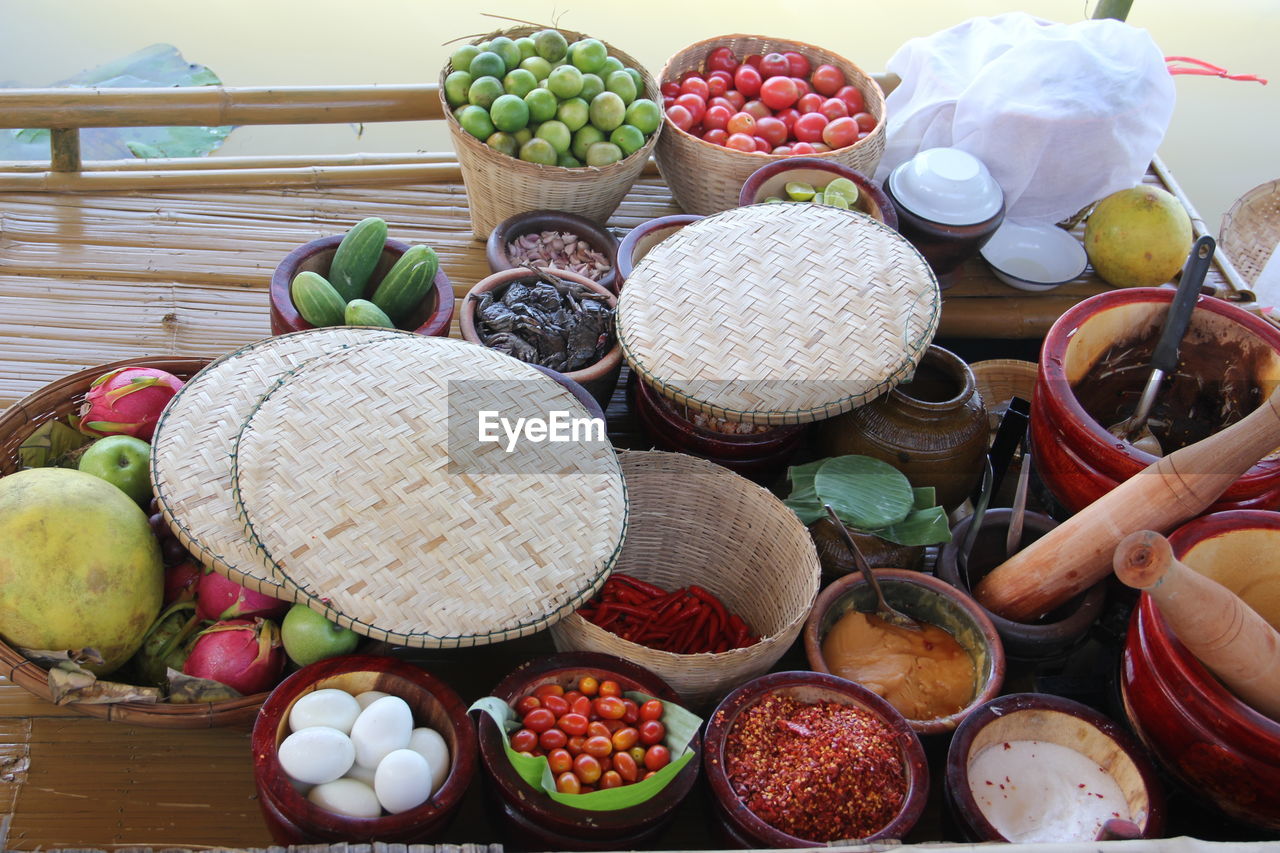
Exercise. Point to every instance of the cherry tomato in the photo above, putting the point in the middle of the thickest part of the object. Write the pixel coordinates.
(560, 761)
(719, 82)
(778, 93)
(611, 688)
(588, 789)
(637, 753)
(588, 768)
(754, 61)
(597, 727)
(821, 148)
(648, 773)
(667, 103)
(651, 732)
(762, 144)
(787, 117)
(716, 118)
(609, 707)
(539, 720)
(697, 107)
(809, 103)
(598, 746)
(747, 80)
(572, 696)
(524, 740)
(652, 710)
(802, 85)
(695, 86)
(557, 705)
(716, 136)
(866, 122)
(827, 80)
(840, 132)
(774, 65)
(606, 763)
(625, 738)
(548, 690)
(670, 89)
(742, 123)
(802, 148)
(582, 705)
(697, 130)
(568, 783)
(575, 744)
(722, 101)
(632, 715)
(692, 72)
(553, 738)
(574, 724)
(625, 765)
(757, 109)
(852, 99)
(656, 757)
(680, 117)
(809, 127)
(736, 99)
(610, 779)
(781, 150)
(798, 64)
(722, 59)
(527, 704)
(741, 142)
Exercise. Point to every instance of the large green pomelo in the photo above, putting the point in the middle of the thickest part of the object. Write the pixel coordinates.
(79, 566)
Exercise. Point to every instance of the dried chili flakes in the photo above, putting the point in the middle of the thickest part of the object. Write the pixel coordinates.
(819, 771)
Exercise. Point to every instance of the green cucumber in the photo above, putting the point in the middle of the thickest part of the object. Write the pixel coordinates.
(362, 312)
(407, 283)
(317, 300)
(357, 255)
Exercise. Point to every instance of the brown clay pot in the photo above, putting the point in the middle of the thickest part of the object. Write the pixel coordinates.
(933, 429)
(879, 553)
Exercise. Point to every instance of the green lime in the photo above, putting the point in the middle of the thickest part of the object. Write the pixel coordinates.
(799, 190)
(508, 50)
(842, 187)
(523, 135)
(551, 45)
(565, 82)
(603, 154)
(644, 114)
(773, 199)
(527, 48)
(542, 105)
(621, 84)
(627, 137)
(818, 198)
(475, 121)
(555, 132)
(482, 46)
(519, 82)
(537, 66)
(574, 113)
(568, 160)
(637, 78)
(592, 85)
(461, 58)
(455, 88)
(588, 55)
(584, 138)
(607, 111)
(538, 150)
(487, 64)
(611, 64)
(509, 113)
(484, 91)
(504, 142)
(831, 199)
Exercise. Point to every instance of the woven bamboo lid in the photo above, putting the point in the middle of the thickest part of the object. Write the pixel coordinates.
(778, 313)
(360, 478)
(191, 449)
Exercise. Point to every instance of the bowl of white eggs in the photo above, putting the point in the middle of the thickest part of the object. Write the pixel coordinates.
(361, 748)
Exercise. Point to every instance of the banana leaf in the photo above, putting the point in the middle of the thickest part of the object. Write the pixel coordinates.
(865, 492)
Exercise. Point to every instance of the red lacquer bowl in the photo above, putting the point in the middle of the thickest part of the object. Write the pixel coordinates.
(771, 179)
(293, 819)
(1076, 457)
(1218, 747)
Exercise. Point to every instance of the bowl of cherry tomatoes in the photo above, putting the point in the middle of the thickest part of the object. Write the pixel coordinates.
(572, 709)
(734, 103)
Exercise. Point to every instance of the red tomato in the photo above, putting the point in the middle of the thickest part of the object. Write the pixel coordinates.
(560, 760)
(695, 86)
(656, 757)
(719, 82)
(832, 108)
(692, 72)
(625, 765)
(802, 85)
(667, 103)
(762, 144)
(572, 696)
(652, 710)
(840, 132)
(609, 707)
(788, 117)
(778, 93)
(524, 740)
(722, 59)
(697, 107)
(774, 65)
(680, 117)
(575, 744)
(827, 80)
(539, 720)
(613, 725)
(809, 127)
(588, 768)
(722, 101)
(821, 148)
(736, 99)
(852, 99)
(568, 783)
(741, 123)
(670, 89)
(632, 715)
(625, 738)
(747, 80)
(757, 109)
(598, 747)
(771, 130)
(809, 103)
(741, 142)
(651, 732)
(781, 150)
(866, 122)
(798, 64)
(553, 738)
(527, 704)
(610, 779)
(574, 724)
(597, 727)
(610, 688)
(582, 705)
(548, 690)
(716, 118)
(697, 130)
(557, 705)
(716, 136)
(647, 774)
(588, 685)
(802, 148)
(754, 61)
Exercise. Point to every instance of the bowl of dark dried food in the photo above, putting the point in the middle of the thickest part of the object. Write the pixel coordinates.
(550, 317)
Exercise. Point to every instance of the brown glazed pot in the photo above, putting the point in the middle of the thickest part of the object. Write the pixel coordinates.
(933, 429)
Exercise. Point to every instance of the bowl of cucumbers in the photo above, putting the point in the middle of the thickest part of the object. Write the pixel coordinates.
(361, 278)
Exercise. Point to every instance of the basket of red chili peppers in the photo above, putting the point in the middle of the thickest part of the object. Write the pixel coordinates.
(713, 583)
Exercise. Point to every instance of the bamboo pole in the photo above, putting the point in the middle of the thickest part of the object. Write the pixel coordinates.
(199, 179)
(240, 162)
(64, 149)
(1118, 9)
(1235, 283)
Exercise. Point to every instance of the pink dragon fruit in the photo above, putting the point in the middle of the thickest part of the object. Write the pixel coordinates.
(219, 597)
(127, 401)
(244, 654)
(180, 582)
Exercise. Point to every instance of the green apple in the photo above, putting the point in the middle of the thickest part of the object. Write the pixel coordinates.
(124, 462)
(309, 637)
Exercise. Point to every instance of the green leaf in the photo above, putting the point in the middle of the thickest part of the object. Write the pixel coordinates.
(865, 492)
(52, 445)
(807, 508)
(925, 497)
(801, 476)
(922, 527)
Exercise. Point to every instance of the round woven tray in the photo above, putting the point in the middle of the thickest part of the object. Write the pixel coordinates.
(191, 449)
(999, 381)
(364, 502)
(1251, 229)
(778, 313)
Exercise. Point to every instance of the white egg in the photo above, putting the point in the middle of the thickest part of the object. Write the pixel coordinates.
(346, 797)
(381, 728)
(317, 754)
(368, 697)
(403, 781)
(430, 744)
(361, 774)
(330, 707)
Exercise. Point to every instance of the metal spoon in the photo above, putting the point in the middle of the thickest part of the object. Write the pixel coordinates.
(975, 521)
(883, 610)
(1018, 512)
(1164, 360)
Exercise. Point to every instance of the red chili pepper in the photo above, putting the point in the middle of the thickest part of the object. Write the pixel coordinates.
(640, 612)
(647, 588)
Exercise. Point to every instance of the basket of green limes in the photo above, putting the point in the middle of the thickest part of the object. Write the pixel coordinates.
(547, 119)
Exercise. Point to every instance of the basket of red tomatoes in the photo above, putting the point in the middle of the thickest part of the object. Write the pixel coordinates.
(733, 103)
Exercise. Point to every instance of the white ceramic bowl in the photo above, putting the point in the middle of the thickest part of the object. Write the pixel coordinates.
(1034, 257)
(947, 186)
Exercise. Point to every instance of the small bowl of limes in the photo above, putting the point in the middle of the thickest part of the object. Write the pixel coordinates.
(810, 180)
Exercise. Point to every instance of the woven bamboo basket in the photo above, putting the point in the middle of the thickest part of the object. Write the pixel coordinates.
(57, 400)
(499, 186)
(706, 178)
(999, 381)
(694, 522)
(1250, 230)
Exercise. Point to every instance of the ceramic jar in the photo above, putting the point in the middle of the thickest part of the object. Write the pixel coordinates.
(933, 429)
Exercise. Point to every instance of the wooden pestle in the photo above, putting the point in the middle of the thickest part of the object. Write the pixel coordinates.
(1077, 553)
(1227, 635)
